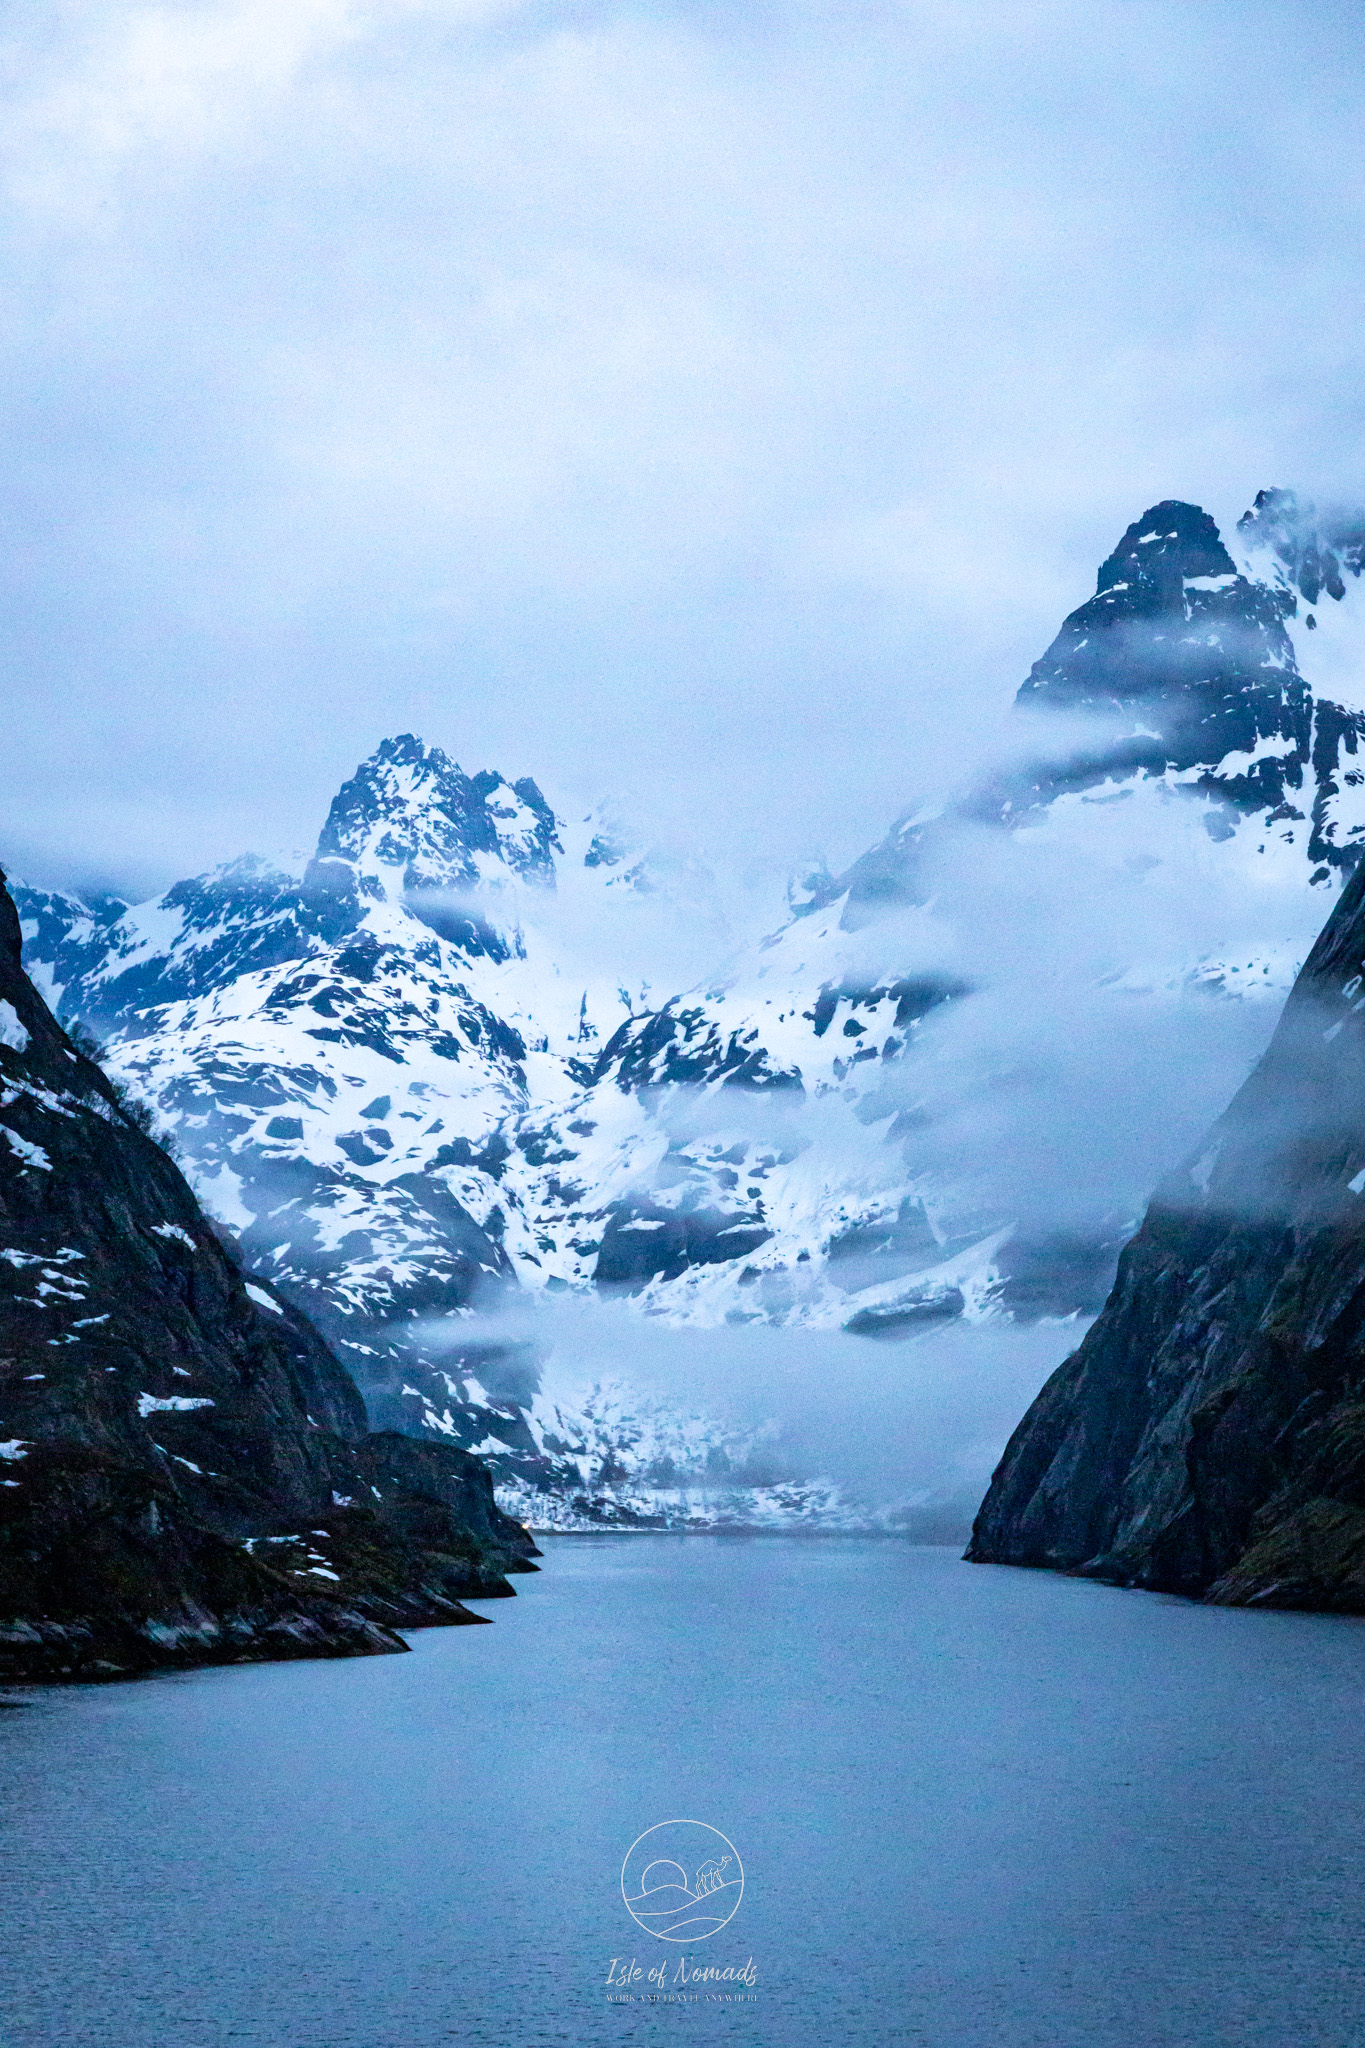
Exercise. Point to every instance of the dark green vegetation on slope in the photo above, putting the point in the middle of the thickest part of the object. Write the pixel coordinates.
(1208, 1437)
(185, 1471)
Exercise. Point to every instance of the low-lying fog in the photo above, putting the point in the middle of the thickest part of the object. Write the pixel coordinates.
(916, 1424)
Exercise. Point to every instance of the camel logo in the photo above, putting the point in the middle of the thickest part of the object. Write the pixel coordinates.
(682, 1881)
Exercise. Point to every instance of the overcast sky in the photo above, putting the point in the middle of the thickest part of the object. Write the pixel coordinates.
(711, 406)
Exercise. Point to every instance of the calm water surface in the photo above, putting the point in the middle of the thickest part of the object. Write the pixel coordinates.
(977, 1808)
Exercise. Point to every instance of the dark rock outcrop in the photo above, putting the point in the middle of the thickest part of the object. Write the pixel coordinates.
(681, 1045)
(1208, 1438)
(642, 1240)
(185, 1471)
(1175, 634)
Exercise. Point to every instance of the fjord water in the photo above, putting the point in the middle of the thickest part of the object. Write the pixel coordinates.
(974, 1806)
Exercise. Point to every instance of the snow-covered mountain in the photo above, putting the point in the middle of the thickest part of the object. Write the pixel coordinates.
(1177, 743)
(409, 1074)
(357, 1061)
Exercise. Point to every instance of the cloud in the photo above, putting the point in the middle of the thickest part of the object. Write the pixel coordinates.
(921, 1423)
(1099, 1037)
(178, 82)
(736, 396)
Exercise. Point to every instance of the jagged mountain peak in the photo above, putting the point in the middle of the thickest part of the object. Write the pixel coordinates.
(1174, 627)
(1190, 670)
(411, 819)
(1187, 663)
(1171, 541)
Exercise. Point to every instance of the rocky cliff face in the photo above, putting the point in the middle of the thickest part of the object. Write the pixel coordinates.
(1208, 1438)
(185, 1470)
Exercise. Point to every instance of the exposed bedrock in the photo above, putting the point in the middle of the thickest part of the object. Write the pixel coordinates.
(1208, 1437)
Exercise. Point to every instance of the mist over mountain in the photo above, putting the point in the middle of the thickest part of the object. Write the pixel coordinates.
(427, 1074)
